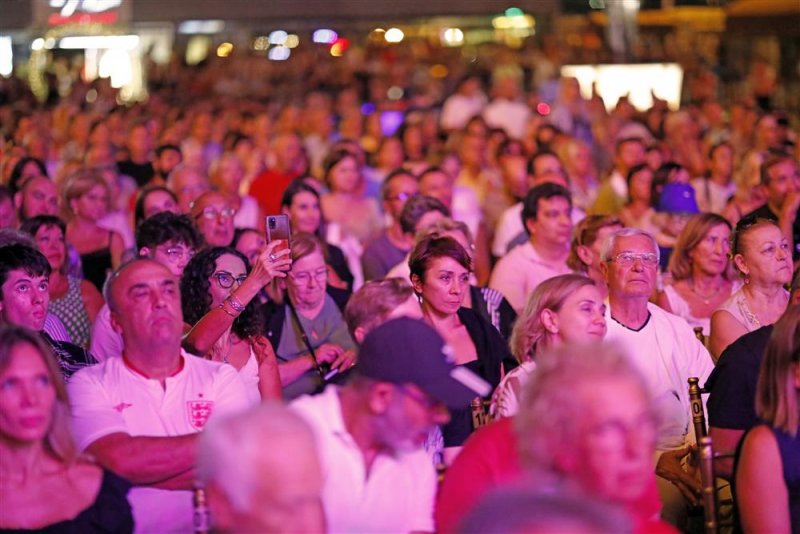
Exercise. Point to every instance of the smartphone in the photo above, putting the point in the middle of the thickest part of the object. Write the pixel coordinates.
(278, 230)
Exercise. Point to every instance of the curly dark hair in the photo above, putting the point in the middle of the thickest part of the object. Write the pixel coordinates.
(196, 298)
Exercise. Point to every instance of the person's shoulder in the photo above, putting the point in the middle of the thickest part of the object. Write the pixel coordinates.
(748, 349)
(762, 212)
(677, 322)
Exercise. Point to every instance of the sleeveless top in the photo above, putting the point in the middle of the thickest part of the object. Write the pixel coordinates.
(249, 375)
(789, 448)
(97, 264)
(110, 512)
(505, 400)
(72, 312)
(738, 306)
(681, 308)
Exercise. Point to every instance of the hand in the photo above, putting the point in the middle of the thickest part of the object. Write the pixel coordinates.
(266, 269)
(263, 350)
(328, 353)
(344, 361)
(669, 467)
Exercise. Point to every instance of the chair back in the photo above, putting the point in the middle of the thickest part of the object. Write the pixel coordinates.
(708, 484)
(480, 412)
(698, 412)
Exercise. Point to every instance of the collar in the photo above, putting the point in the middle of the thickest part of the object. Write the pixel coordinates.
(137, 371)
(646, 322)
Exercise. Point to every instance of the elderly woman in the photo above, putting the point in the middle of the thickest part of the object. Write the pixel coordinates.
(584, 251)
(74, 301)
(563, 309)
(702, 277)
(46, 485)
(440, 272)
(306, 329)
(86, 198)
(217, 281)
(226, 176)
(768, 471)
(762, 255)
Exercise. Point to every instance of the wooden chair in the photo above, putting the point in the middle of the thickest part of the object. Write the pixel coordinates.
(481, 415)
(712, 504)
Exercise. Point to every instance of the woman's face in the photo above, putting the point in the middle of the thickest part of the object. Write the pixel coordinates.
(307, 279)
(50, 240)
(230, 271)
(444, 286)
(345, 176)
(251, 244)
(159, 201)
(27, 396)
(641, 184)
(710, 256)
(93, 204)
(391, 154)
(304, 213)
(230, 175)
(581, 318)
(612, 456)
(766, 257)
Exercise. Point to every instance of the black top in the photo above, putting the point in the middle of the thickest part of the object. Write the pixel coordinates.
(732, 383)
(96, 265)
(141, 172)
(765, 213)
(338, 263)
(110, 512)
(492, 353)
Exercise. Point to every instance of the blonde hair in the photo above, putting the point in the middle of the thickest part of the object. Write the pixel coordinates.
(680, 264)
(58, 442)
(586, 233)
(777, 397)
(441, 227)
(79, 184)
(529, 333)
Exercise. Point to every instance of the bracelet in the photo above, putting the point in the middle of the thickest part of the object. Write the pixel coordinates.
(226, 310)
(235, 303)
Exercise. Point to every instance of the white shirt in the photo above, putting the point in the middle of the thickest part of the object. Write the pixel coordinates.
(510, 226)
(667, 353)
(509, 115)
(397, 495)
(106, 342)
(518, 273)
(111, 398)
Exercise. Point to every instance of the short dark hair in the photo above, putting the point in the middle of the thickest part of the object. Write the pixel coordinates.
(160, 149)
(22, 257)
(415, 208)
(295, 187)
(548, 190)
(138, 210)
(391, 176)
(432, 247)
(165, 227)
(771, 161)
(539, 154)
(15, 180)
(34, 224)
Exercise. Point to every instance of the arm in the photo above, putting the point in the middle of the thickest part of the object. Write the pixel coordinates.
(725, 329)
(327, 353)
(92, 299)
(269, 380)
(146, 461)
(760, 488)
(117, 249)
(725, 441)
(212, 325)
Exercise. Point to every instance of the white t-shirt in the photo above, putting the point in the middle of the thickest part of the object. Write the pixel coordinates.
(106, 342)
(518, 273)
(509, 227)
(111, 398)
(667, 353)
(397, 496)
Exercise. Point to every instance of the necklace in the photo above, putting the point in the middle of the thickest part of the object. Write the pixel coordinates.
(705, 298)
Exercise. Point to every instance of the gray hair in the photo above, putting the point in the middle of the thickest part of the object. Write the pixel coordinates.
(231, 448)
(549, 409)
(611, 240)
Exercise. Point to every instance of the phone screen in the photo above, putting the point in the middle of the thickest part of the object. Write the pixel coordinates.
(278, 230)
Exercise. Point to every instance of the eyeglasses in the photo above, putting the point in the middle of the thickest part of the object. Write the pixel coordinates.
(214, 213)
(226, 279)
(424, 400)
(176, 254)
(402, 196)
(320, 276)
(628, 258)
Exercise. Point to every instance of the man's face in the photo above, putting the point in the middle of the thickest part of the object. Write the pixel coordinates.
(553, 224)
(173, 255)
(38, 197)
(409, 417)
(628, 155)
(515, 175)
(214, 218)
(632, 274)
(783, 180)
(147, 305)
(439, 186)
(548, 168)
(25, 300)
(401, 188)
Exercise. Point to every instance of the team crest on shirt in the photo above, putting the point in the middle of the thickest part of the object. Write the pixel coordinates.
(199, 412)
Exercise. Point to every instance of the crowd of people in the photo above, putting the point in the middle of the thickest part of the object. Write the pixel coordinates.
(513, 299)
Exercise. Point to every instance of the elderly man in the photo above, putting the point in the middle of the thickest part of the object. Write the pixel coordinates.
(666, 351)
(546, 214)
(255, 489)
(24, 297)
(213, 215)
(138, 415)
(37, 196)
(378, 301)
(187, 184)
(370, 432)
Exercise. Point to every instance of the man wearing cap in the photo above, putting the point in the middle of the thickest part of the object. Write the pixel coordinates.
(676, 204)
(370, 432)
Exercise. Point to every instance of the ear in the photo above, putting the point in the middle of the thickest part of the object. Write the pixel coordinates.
(18, 199)
(549, 321)
(359, 333)
(738, 260)
(585, 254)
(529, 225)
(380, 397)
(416, 283)
(604, 270)
(115, 323)
(145, 252)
